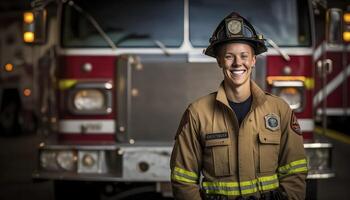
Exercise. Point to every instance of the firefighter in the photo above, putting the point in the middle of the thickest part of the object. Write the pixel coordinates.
(239, 142)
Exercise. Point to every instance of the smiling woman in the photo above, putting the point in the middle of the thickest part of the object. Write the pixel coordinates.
(236, 61)
(238, 137)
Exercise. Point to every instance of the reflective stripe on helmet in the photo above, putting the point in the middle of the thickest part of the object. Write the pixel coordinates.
(297, 166)
(183, 175)
(242, 188)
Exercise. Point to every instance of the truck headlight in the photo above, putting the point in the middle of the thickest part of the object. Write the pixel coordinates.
(67, 160)
(58, 160)
(48, 160)
(292, 96)
(291, 91)
(89, 99)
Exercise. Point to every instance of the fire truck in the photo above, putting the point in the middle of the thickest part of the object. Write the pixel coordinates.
(121, 73)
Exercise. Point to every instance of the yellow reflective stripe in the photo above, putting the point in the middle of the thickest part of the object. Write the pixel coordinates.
(221, 184)
(269, 186)
(249, 191)
(181, 179)
(298, 170)
(244, 187)
(66, 83)
(188, 173)
(268, 182)
(268, 178)
(293, 167)
(183, 175)
(223, 192)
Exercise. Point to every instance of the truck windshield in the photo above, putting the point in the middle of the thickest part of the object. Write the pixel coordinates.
(157, 19)
(286, 22)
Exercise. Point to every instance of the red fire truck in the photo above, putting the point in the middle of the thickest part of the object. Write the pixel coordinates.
(122, 73)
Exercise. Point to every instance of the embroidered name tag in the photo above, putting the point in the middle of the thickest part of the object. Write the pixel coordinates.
(213, 136)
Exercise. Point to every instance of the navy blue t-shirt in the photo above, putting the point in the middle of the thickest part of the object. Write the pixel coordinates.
(241, 109)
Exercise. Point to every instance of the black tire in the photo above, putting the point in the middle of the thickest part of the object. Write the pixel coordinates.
(66, 190)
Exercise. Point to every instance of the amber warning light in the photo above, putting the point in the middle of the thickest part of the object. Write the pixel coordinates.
(346, 31)
(28, 27)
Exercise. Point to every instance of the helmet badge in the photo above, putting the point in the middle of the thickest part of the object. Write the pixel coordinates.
(234, 27)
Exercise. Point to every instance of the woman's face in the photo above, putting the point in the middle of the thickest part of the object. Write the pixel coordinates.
(236, 61)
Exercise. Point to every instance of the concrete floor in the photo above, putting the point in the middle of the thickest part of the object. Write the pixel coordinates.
(338, 187)
(18, 159)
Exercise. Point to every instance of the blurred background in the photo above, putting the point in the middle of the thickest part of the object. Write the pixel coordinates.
(92, 92)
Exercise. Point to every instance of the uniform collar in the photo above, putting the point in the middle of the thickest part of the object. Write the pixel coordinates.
(258, 95)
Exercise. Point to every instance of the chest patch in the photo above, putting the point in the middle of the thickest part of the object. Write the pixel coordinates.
(213, 136)
(272, 122)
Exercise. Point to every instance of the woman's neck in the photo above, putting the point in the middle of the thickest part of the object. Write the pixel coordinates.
(237, 94)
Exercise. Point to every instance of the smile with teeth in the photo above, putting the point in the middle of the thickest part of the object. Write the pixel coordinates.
(237, 71)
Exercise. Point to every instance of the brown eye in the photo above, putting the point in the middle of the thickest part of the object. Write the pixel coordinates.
(228, 57)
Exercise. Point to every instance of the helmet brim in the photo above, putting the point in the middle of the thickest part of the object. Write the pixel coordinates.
(257, 45)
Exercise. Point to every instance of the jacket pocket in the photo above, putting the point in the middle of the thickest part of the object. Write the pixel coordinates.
(221, 156)
(269, 145)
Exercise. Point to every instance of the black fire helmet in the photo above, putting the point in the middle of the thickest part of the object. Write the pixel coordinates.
(235, 28)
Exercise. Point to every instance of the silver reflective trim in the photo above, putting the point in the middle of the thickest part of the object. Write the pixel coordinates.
(334, 111)
(317, 145)
(184, 49)
(292, 51)
(87, 126)
(225, 188)
(306, 124)
(337, 47)
(320, 176)
(287, 83)
(324, 47)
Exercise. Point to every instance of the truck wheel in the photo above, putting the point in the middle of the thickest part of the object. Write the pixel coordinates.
(9, 121)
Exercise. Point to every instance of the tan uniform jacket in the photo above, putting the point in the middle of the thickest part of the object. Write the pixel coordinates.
(265, 153)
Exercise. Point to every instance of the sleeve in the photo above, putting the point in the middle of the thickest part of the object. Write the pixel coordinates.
(185, 160)
(292, 168)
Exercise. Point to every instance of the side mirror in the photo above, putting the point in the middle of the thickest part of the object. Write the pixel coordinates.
(334, 21)
(34, 26)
